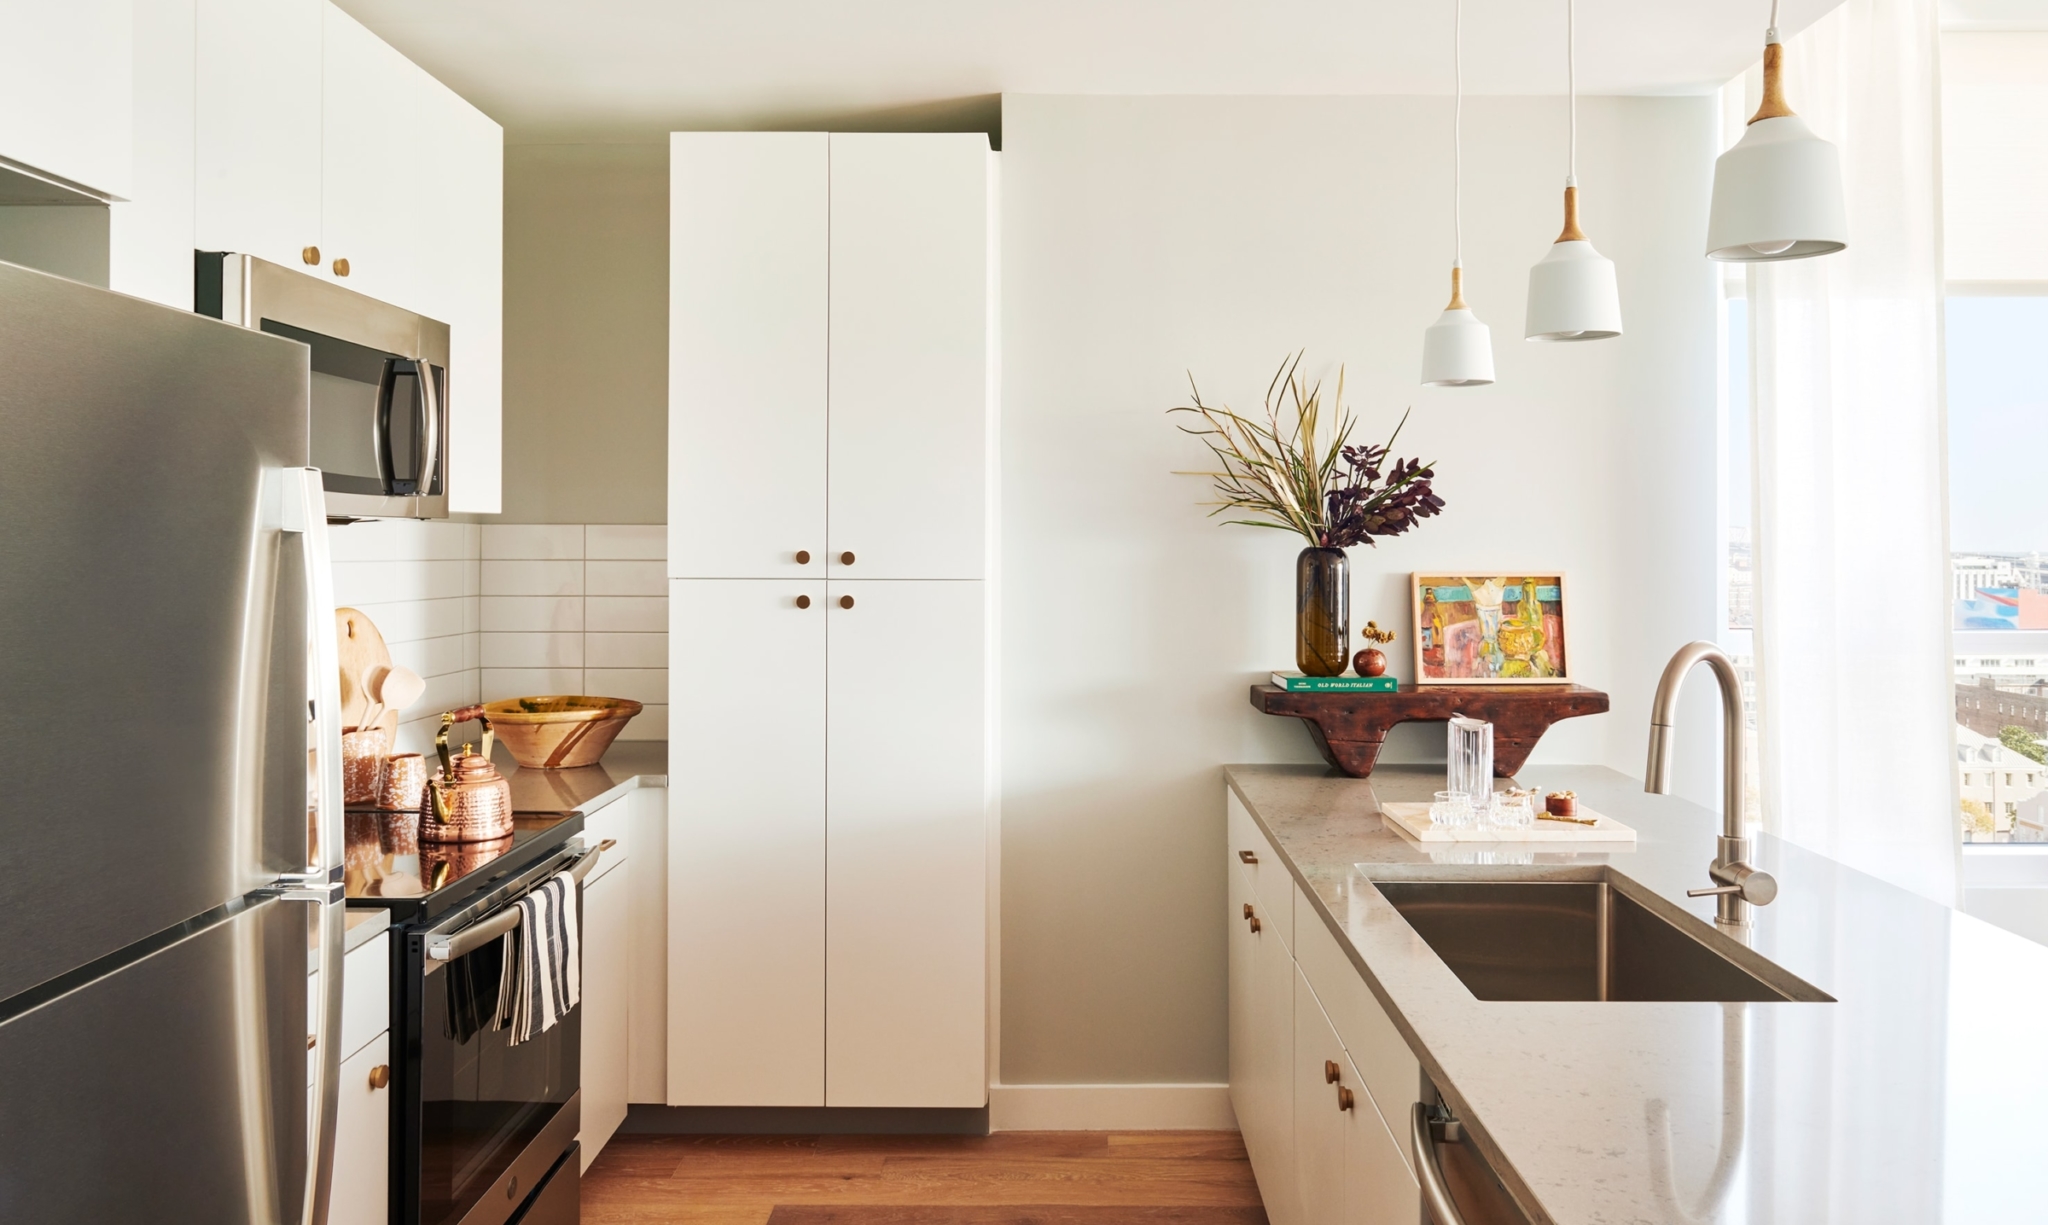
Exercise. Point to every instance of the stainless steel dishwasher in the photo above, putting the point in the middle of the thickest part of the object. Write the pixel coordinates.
(1459, 1187)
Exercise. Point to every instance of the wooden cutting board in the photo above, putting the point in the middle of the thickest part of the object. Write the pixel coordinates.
(1412, 820)
(362, 653)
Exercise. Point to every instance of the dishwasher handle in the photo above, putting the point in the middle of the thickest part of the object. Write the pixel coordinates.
(1435, 1194)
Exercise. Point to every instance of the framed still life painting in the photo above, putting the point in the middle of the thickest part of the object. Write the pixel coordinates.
(1489, 629)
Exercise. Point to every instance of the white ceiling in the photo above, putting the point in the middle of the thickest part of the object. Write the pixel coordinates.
(551, 69)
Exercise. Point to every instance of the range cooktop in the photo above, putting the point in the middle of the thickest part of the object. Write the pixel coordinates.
(388, 866)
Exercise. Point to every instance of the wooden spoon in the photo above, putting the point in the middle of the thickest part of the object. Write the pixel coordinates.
(398, 689)
(373, 689)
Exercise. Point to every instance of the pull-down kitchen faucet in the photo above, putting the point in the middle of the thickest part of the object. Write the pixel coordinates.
(1738, 886)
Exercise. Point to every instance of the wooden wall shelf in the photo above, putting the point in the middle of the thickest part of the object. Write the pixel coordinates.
(1350, 727)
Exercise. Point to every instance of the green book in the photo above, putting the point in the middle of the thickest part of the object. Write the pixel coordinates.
(1295, 682)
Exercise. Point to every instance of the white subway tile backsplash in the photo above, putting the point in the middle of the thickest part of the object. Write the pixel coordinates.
(629, 614)
(533, 541)
(649, 685)
(532, 650)
(413, 620)
(491, 611)
(650, 724)
(431, 656)
(626, 541)
(641, 578)
(373, 582)
(532, 578)
(516, 613)
(501, 683)
(625, 650)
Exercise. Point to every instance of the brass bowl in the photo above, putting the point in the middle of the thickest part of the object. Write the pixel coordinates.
(559, 732)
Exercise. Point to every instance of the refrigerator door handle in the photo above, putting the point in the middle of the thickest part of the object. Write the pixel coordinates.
(305, 512)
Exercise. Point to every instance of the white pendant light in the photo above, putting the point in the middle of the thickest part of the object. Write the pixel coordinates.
(1778, 192)
(1457, 350)
(1572, 294)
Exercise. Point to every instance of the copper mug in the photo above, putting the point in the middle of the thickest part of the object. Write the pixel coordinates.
(404, 787)
(363, 750)
(467, 799)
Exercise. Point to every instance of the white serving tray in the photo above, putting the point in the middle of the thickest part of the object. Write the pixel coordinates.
(1412, 820)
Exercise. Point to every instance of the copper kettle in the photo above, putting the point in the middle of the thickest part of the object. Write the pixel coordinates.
(467, 799)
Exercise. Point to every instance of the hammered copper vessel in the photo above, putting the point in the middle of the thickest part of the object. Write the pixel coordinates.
(363, 750)
(405, 783)
(467, 800)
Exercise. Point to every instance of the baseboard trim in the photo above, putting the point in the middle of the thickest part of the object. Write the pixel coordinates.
(1184, 1107)
(646, 1119)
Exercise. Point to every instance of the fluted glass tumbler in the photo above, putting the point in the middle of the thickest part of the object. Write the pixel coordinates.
(1469, 757)
(1322, 612)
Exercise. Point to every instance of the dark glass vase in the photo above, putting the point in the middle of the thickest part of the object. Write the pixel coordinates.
(1322, 612)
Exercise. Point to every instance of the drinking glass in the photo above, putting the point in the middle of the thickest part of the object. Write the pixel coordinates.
(1513, 809)
(1469, 758)
(1451, 810)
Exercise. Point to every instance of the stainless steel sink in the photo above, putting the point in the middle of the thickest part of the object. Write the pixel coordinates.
(1578, 940)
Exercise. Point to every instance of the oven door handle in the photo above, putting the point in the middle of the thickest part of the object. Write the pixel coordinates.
(447, 946)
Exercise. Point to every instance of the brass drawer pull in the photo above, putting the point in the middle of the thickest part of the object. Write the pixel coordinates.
(846, 601)
(311, 255)
(1344, 1099)
(846, 559)
(803, 601)
(1247, 857)
(1330, 1073)
(803, 557)
(341, 267)
(380, 1076)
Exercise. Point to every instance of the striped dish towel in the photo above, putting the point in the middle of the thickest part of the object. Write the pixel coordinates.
(542, 978)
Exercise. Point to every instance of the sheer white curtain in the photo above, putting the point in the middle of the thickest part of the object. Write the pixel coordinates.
(1854, 672)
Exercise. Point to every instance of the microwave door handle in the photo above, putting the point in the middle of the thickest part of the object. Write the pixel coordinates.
(429, 452)
(380, 422)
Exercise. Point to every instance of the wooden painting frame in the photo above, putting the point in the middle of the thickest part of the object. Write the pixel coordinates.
(1446, 652)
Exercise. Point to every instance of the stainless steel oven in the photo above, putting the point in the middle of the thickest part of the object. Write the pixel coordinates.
(484, 1132)
(380, 382)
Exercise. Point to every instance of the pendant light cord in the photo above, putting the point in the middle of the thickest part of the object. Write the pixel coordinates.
(1458, 134)
(1771, 35)
(1571, 78)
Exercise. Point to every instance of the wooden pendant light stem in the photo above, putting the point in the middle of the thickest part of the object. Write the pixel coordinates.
(1457, 289)
(1572, 233)
(1774, 106)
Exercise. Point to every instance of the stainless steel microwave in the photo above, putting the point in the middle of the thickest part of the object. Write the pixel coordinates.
(380, 382)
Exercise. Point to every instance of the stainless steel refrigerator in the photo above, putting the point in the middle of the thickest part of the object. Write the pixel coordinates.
(170, 794)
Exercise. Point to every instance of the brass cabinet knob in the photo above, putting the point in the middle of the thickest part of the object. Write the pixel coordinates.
(1330, 1073)
(341, 267)
(311, 255)
(803, 601)
(1247, 910)
(1248, 857)
(311, 1040)
(1344, 1099)
(380, 1076)
(803, 557)
(1254, 921)
(846, 601)
(846, 559)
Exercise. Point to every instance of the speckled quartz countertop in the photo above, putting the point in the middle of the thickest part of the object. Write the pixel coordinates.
(626, 765)
(1920, 1095)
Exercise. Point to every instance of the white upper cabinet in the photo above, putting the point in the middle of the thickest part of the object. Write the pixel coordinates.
(257, 157)
(909, 369)
(748, 228)
(65, 89)
(375, 192)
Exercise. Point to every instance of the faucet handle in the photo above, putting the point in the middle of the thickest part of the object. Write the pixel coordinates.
(1758, 888)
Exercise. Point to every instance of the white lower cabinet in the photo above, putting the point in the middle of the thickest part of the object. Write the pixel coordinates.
(1321, 1080)
(607, 980)
(362, 1137)
(828, 843)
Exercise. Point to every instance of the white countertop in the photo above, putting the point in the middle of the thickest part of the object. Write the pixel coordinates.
(1920, 1096)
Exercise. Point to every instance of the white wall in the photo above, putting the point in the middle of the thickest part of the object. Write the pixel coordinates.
(1144, 238)
(1994, 125)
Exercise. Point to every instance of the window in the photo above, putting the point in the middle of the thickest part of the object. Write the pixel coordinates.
(1998, 530)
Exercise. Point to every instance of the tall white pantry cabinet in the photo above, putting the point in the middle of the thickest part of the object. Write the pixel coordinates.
(831, 426)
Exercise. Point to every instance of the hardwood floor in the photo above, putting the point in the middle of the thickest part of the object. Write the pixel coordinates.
(1011, 1178)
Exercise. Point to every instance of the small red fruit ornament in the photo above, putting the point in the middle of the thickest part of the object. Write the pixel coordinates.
(1372, 661)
